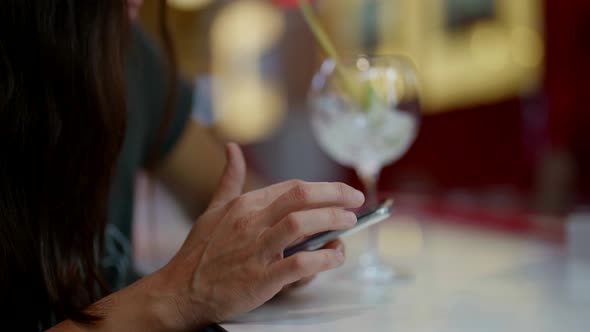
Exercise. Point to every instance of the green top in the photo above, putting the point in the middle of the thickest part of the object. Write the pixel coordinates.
(146, 93)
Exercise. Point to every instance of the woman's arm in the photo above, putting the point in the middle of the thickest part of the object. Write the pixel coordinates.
(232, 260)
(145, 305)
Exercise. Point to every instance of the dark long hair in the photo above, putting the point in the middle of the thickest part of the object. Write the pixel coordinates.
(62, 120)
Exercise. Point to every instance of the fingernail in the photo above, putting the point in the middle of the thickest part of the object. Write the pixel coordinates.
(351, 219)
(339, 256)
(359, 196)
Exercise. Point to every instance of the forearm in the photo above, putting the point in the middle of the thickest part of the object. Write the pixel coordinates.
(143, 306)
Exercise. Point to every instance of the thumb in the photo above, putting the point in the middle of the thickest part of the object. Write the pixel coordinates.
(233, 177)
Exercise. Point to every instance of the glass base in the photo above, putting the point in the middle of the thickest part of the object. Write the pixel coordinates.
(371, 269)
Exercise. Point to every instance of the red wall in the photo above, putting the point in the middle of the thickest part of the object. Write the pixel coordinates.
(502, 143)
(567, 82)
(476, 147)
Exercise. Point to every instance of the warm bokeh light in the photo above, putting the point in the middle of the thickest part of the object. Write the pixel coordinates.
(188, 4)
(363, 64)
(489, 46)
(465, 61)
(530, 56)
(248, 110)
(248, 106)
(246, 28)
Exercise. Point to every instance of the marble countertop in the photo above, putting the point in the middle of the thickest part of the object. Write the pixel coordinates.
(459, 279)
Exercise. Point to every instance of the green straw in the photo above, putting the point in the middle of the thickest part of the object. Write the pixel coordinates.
(328, 48)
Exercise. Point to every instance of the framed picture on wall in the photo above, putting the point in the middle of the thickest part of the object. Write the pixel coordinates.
(468, 51)
(462, 14)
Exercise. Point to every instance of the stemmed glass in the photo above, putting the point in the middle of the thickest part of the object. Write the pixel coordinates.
(369, 132)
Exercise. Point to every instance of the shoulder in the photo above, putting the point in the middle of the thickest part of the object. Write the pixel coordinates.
(142, 45)
(144, 61)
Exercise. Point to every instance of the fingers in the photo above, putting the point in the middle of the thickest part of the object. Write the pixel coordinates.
(261, 198)
(336, 244)
(305, 264)
(301, 224)
(305, 196)
(233, 177)
(296, 285)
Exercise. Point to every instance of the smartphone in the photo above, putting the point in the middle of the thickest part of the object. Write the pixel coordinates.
(365, 219)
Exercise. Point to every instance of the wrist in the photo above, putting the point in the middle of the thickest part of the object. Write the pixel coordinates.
(172, 306)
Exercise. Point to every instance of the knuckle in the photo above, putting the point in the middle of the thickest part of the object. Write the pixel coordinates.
(299, 265)
(262, 239)
(241, 224)
(267, 196)
(238, 203)
(293, 223)
(301, 192)
(294, 182)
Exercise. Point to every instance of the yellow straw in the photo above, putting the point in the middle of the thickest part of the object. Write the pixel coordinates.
(328, 47)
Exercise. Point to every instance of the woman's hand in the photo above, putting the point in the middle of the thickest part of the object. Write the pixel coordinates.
(232, 260)
(337, 245)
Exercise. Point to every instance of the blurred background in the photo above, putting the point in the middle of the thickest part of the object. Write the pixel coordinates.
(505, 135)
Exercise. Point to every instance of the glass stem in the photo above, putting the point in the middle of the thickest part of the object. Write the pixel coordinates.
(371, 200)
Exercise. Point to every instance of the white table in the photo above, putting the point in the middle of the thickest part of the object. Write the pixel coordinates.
(464, 279)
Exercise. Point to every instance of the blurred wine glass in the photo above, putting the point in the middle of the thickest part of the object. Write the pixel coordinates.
(366, 133)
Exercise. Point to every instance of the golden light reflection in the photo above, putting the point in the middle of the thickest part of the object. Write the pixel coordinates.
(248, 27)
(363, 64)
(531, 55)
(188, 4)
(495, 55)
(248, 110)
(248, 106)
(489, 46)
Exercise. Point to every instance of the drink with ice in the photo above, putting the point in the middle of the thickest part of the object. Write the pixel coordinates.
(362, 140)
(365, 115)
